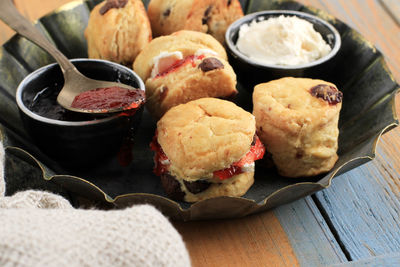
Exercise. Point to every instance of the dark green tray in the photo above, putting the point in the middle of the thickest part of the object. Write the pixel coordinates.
(368, 111)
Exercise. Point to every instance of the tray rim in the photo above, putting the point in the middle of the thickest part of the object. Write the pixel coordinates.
(258, 205)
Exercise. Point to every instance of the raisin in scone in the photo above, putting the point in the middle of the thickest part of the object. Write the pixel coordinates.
(297, 120)
(206, 148)
(208, 16)
(181, 67)
(118, 30)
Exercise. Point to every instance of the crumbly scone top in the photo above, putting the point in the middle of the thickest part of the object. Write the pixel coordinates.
(292, 101)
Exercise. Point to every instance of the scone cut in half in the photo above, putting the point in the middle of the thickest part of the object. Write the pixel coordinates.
(208, 16)
(118, 30)
(181, 67)
(297, 121)
(206, 148)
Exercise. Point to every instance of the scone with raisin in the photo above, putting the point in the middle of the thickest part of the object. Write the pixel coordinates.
(297, 120)
(206, 148)
(118, 30)
(208, 16)
(181, 67)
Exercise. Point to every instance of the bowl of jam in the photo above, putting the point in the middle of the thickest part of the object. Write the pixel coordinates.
(73, 138)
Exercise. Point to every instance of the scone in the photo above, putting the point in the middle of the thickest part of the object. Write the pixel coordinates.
(208, 16)
(206, 148)
(297, 121)
(118, 30)
(181, 67)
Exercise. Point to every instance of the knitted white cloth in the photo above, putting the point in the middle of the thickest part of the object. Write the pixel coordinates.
(43, 229)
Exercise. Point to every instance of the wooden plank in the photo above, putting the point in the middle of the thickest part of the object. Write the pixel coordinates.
(372, 20)
(363, 206)
(310, 237)
(393, 9)
(32, 9)
(255, 240)
(391, 260)
(291, 235)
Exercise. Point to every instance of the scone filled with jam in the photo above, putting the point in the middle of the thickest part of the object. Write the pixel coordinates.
(206, 148)
(181, 67)
(208, 16)
(297, 121)
(118, 30)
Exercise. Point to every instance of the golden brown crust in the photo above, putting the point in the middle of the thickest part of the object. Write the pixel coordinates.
(188, 83)
(187, 42)
(298, 129)
(120, 34)
(208, 16)
(235, 186)
(204, 136)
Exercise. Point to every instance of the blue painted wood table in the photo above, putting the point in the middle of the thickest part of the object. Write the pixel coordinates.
(354, 222)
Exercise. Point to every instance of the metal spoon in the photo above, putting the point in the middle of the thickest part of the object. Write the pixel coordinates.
(74, 81)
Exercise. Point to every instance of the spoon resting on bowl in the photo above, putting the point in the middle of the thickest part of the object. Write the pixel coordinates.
(75, 83)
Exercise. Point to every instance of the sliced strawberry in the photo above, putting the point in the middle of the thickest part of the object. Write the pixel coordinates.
(256, 152)
(169, 65)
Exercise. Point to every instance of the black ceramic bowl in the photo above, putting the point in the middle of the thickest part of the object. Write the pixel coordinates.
(81, 139)
(255, 72)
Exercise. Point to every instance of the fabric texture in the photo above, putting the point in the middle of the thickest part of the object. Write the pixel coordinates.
(43, 229)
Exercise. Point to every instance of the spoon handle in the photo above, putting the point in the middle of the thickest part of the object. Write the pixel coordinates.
(10, 15)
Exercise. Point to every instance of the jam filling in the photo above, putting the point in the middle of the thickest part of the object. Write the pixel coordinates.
(109, 98)
(159, 157)
(180, 63)
(256, 152)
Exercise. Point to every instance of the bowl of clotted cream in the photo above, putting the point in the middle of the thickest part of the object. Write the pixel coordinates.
(272, 44)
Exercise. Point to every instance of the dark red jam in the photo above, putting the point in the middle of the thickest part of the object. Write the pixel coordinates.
(109, 98)
(159, 157)
(44, 103)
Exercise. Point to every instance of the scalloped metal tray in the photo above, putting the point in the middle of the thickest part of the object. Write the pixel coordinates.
(368, 111)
